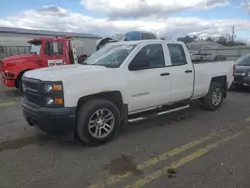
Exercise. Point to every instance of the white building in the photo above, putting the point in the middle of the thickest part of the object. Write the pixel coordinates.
(197, 45)
(230, 52)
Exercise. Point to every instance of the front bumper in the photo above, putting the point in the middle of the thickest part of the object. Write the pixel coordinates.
(56, 121)
(242, 81)
(8, 82)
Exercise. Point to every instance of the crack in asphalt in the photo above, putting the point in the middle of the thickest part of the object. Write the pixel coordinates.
(13, 121)
(21, 142)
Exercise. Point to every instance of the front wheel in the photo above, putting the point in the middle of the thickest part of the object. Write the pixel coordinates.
(18, 85)
(98, 121)
(214, 98)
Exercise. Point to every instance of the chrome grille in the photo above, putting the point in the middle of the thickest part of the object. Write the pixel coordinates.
(32, 98)
(31, 86)
(31, 89)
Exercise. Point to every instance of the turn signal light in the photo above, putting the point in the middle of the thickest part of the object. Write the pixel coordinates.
(58, 101)
(56, 87)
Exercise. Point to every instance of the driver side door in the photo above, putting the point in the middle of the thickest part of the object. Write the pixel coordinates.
(53, 53)
(148, 85)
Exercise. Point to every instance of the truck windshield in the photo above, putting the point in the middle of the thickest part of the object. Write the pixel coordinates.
(35, 47)
(111, 56)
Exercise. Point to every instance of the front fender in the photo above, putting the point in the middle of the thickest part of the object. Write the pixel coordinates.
(16, 68)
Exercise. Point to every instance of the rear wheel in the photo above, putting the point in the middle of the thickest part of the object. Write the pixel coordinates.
(98, 121)
(214, 98)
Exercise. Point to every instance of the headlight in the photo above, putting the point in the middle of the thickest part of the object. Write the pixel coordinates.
(53, 87)
(245, 74)
(9, 74)
(53, 94)
(54, 101)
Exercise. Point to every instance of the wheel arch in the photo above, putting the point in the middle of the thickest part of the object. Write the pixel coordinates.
(20, 75)
(223, 81)
(112, 96)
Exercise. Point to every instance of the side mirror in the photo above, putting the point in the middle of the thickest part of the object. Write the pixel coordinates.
(139, 64)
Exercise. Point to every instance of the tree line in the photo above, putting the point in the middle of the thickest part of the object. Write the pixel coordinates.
(222, 40)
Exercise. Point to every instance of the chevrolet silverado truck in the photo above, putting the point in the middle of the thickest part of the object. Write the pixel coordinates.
(122, 82)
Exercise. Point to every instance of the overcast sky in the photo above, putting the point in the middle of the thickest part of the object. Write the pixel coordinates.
(107, 17)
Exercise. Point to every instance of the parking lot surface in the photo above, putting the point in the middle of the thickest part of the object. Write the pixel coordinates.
(191, 148)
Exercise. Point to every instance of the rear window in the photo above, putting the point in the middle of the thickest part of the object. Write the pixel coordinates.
(177, 54)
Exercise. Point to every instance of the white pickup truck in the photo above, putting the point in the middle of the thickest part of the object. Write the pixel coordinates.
(123, 80)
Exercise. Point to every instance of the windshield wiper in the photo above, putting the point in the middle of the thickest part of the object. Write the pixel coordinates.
(83, 63)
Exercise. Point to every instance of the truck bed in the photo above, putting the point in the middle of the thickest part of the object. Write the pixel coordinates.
(206, 70)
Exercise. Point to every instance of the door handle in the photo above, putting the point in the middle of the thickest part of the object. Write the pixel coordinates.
(188, 71)
(165, 74)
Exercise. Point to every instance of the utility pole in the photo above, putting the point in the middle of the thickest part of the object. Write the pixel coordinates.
(233, 32)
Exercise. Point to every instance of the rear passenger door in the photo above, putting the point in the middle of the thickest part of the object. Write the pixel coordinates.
(181, 72)
(148, 86)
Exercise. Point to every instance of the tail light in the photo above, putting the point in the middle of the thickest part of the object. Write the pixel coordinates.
(234, 67)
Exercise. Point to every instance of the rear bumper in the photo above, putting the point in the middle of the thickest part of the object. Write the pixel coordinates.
(56, 121)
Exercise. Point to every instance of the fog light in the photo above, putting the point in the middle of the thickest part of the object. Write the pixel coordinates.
(54, 101)
(49, 100)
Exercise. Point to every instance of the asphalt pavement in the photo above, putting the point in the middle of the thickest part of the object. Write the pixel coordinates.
(187, 149)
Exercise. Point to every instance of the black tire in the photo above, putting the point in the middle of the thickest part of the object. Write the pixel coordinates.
(207, 101)
(84, 114)
(18, 85)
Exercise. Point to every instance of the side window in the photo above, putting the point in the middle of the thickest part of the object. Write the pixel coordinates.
(60, 48)
(177, 54)
(53, 48)
(152, 54)
(48, 48)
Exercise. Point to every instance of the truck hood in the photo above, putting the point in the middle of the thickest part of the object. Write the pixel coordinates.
(59, 73)
(17, 58)
(11, 61)
(242, 69)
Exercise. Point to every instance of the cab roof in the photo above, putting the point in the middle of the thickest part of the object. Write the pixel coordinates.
(145, 42)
